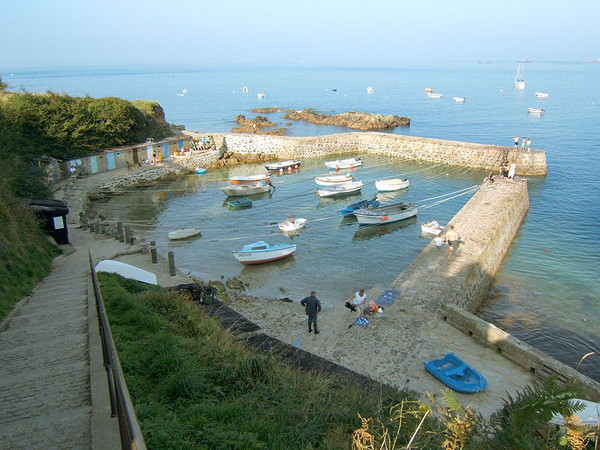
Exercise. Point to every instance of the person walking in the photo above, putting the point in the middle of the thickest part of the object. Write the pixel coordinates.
(312, 306)
(452, 238)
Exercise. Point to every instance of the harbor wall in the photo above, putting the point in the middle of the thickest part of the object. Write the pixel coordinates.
(466, 154)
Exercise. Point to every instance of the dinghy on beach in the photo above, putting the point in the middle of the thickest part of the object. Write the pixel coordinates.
(456, 374)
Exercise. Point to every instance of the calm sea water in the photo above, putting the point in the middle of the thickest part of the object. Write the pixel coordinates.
(547, 292)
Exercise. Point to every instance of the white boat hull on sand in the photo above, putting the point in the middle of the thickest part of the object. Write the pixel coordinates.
(183, 233)
(391, 185)
(385, 214)
(126, 271)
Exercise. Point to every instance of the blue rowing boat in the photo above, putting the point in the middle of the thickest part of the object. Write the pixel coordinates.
(456, 374)
(348, 211)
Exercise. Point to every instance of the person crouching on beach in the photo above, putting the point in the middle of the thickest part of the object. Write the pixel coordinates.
(312, 306)
(359, 299)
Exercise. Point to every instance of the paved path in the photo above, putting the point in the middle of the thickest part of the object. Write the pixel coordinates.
(45, 388)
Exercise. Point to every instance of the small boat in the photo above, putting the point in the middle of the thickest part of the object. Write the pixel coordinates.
(289, 226)
(349, 163)
(262, 252)
(519, 81)
(183, 233)
(535, 111)
(240, 203)
(428, 90)
(348, 211)
(432, 227)
(433, 95)
(332, 180)
(370, 90)
(541, 94)
(249, 179)
(456, 374)
(200, 170)
(385, 214)
(350, 187)
(459, 99)
(261, 95)
(394, 184)
(240, 190)
(283, 165)
(126, 271)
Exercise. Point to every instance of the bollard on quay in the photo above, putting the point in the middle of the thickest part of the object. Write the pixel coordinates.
(120, 234)
(153, 252)
(172, 269)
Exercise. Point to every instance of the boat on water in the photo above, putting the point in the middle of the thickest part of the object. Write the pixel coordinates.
(262, 252)
(434, 95)
(244, 179)
(347, 188)
(332, 180)
(261, 95)
(239, 203)
(241, 190)
(535, 111)
(428, 90)
(183, 233)
(348, 163)
(541, 94)
(456, 374)
(432, 228)
(519, 80)
(126, 271)
(283, 165)
(459, 99)
(393, 184)
(348, 211)
(290, 226)
(370, 90)
(385, 214)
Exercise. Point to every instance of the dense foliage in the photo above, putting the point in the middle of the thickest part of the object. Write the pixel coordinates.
(26, 253)
(66, 127)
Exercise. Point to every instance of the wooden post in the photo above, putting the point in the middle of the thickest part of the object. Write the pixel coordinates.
(97, 227)
(172, 269)
(120, 234)
(153, 252)
(127, 234)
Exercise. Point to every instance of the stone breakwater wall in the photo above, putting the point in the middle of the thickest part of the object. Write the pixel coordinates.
(466, 154)
(487, 225)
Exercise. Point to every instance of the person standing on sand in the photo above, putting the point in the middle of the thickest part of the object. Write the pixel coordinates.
(312, 306)
(452, 238)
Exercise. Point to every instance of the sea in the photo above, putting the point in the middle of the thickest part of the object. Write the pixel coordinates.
(547, 292)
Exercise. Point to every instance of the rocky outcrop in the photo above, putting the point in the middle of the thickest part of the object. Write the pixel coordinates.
(256, 126)
(354, 120)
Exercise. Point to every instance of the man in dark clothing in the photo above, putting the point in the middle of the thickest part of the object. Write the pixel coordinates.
(312, 306)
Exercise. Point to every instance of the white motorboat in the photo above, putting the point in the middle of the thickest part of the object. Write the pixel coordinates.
(126, 271)
(434, 95)
(348, 163)
(394, 184)
(385, 214)
(459, 99)
(289, 226)
(350, 187)
(244, 179)
(535, 111)
(370, 90)
(261, 95)
(241, 190)
(183, 233)
(433, 228)
(283, 165)
(519, 80)
(541, 94)
(263, 252)
(333, 180)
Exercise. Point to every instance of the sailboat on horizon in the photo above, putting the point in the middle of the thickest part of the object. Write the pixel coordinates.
(519, 81)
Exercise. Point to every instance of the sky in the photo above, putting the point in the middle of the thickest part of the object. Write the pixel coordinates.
(73, 33)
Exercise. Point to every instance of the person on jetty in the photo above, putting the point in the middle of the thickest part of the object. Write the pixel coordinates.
(516, 141)
(312, 307)
(439, 241)
(359, 299)
(490, 178)
(374, 308)
(452, 238)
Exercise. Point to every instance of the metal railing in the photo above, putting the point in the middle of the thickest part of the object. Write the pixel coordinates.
(120, 401)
